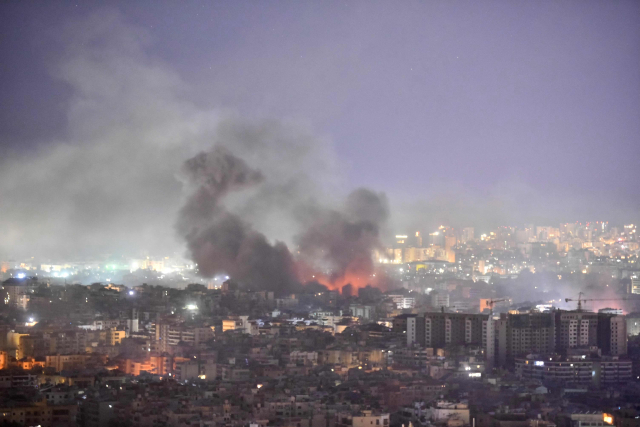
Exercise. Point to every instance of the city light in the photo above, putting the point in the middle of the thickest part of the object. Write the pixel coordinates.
(312, 161)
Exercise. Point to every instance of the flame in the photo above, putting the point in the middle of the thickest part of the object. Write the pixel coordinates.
(357, 275)
(336, 284)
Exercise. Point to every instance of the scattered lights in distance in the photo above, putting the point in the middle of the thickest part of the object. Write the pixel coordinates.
(63, 275)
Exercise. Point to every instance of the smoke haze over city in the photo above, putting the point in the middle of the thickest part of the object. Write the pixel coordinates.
(527, 116)
(320, 213)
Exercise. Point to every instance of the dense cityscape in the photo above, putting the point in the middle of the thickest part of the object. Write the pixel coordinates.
(527, 325)
(355, 213)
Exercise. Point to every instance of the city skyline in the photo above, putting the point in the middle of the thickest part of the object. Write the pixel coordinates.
(319, 214)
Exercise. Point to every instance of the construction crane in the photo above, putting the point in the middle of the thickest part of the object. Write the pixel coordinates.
(581, 300)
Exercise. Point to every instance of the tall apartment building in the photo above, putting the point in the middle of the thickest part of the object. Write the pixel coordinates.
(522, 334)
(575, 329)
(400, 322)
(167, 335)
(518, 335)
(612, 334)
(439, 330)
(442, 329)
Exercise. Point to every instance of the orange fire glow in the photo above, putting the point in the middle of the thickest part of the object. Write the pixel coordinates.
(336, 284)
(357, 277)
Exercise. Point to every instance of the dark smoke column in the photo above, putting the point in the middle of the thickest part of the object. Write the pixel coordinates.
(219, 241)
(341, 243)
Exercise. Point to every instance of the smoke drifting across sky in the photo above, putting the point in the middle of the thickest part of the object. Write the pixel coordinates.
(333, 247)
(222, 242)
(109, 186)
(474, 118)
(116, 185)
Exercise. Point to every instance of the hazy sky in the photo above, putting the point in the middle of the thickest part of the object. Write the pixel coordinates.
(508, 110)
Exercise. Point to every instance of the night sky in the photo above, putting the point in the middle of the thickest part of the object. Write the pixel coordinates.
(470, 113)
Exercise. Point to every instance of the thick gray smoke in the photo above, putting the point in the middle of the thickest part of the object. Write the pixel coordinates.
(220, 241)
(341, 243)
(111, 185)
(335, 244)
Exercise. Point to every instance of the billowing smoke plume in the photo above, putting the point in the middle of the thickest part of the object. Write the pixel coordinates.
(334, 245)
(220, 241)
(341, 243)
(108, 187)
